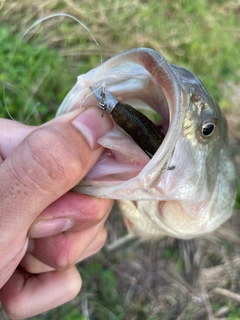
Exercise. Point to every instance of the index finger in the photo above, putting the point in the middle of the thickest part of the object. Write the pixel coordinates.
(46, 164)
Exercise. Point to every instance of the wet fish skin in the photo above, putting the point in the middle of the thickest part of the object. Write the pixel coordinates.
(198, 195)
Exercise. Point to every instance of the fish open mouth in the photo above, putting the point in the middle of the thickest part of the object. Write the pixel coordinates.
(143, 79)
(122, 158)
(147, 86)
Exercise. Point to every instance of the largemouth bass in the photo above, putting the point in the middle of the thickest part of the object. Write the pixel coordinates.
(188, 187)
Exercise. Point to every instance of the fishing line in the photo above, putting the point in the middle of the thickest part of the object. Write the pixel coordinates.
(61, 14)
(37, 22)
(28, 101)
(4, 85)
(71, 17)
(15, 90)
(5, 102)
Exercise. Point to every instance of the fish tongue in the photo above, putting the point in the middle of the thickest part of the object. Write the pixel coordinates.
(121, 160)
(123, 147)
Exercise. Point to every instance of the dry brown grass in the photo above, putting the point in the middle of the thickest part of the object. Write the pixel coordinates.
(204, 292)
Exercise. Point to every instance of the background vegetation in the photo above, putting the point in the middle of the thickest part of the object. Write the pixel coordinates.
(37, 70)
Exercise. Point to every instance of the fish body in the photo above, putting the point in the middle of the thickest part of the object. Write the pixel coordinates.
(197, 195)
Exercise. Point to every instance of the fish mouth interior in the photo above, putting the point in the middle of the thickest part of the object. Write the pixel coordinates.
(122, 158)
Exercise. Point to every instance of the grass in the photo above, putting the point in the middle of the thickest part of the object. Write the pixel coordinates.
(202, 36)
(24, 88)
(36, 72)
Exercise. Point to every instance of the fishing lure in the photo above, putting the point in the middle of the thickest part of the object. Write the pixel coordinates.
(142, 130)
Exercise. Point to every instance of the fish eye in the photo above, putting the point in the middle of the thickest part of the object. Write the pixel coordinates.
(208, 129)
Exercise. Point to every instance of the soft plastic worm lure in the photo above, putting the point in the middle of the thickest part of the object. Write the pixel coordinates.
(142, 130)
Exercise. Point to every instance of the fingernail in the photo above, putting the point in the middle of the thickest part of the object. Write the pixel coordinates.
(92, 125)
(50, 227)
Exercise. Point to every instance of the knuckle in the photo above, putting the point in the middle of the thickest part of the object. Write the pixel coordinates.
(98, 209)
(63, 259)
(51, 159)
(50, 155)
(62, 262)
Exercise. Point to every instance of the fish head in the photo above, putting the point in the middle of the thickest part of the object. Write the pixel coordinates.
(188, 188)
(200, 191)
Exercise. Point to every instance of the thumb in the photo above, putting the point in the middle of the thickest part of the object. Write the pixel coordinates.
(47, 163)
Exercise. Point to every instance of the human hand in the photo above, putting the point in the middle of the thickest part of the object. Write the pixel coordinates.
(45, 228)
